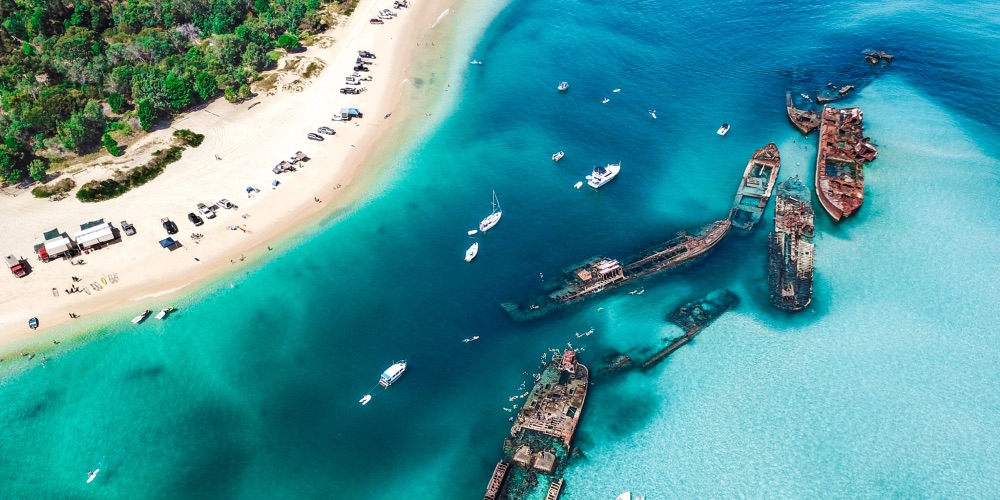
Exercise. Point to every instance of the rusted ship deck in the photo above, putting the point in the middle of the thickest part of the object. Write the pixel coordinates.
(536, 453)
(755, 187)
(601, 273)
(693, 317)
(790, 253)
(843, 151)
(804, 120)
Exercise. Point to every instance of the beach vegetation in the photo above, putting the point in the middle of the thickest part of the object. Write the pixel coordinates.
(63, 63)
(123, 181)
(189, 138)
(64, 185)
(37, 169)
(111, 145)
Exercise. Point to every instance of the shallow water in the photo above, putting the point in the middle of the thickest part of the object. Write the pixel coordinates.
(884, 387)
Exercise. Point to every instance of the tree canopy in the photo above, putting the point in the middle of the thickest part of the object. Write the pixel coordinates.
(62, 62)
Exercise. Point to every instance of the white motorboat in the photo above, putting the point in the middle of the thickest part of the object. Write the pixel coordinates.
(366, 399)
(603, 175)
(471, 252)
(578, 185)
(392, 373)
(563, 86)
(494, 216)
(723, 129)
(473, 232)
(471, 339)
(163, 312)
(652, 113)
(476, 62)
(616, 90)
(138, 319)
(605, 101)
(558, 156)
(92, 474)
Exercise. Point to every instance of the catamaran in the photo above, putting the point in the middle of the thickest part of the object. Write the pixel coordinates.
(494, 216)
(603, 175)
(392, 373)
(471, 252)
(138, 319)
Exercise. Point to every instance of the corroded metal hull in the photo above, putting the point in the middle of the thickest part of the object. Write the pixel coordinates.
(755, 187)
(790, 251)
(843, 151)
(804, 120)
(599, 273)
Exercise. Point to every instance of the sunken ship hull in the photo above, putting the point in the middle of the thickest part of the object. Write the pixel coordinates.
(804, 120)
(843, 151)
(536, 454)
(601, 273)
(790, 251)
(756, 187)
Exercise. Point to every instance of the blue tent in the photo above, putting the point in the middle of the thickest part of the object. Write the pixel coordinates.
(168, 243)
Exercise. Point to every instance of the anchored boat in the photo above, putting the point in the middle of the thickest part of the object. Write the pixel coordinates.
(471, 252)
(723, 130)
(755, 188)
(563, 86)
(603, 175)
(494, 216)
(790, 253)
(558, 156)
(392, 373)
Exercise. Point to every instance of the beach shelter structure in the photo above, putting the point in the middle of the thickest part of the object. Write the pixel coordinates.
(94, 234)
(170, 243)
(56, 244)
(348, 113)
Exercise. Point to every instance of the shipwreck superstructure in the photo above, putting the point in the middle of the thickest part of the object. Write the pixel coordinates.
(843, 151)
(804, 120)
(790, 251)
(601, 273)
(536, 453)
(755, 187)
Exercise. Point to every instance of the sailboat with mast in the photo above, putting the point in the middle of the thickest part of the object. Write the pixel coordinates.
(494, 216)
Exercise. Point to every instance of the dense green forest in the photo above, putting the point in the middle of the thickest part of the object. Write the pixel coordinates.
(73, 75)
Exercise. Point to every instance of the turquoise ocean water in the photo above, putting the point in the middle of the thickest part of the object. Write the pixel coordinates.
(885, 387)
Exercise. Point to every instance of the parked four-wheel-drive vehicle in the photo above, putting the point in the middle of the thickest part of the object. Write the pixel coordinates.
(206, 211)
(224, 203)
(169, 225)
(128, 228)
(18, 267)
(195, 219)
(326, 130)
(315, 137)
(376, 20)
(366, 54)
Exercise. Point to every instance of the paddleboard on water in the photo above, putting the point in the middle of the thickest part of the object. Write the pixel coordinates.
(92, 475)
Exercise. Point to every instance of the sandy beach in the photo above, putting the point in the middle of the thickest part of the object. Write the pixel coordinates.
(243, 142)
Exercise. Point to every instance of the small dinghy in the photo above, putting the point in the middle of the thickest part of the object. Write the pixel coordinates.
(616, 90)
(92, 474)
(723, 129)
(138, 319)
(473, 232)
(366, 399)
(605, 101)
(558, 156)
(578, 185)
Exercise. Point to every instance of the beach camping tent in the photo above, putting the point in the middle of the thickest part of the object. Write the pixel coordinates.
(170, 243)
(57, 244)
(94, 233)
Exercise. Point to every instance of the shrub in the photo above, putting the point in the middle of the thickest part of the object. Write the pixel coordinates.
(117, 103)
(64, 186)
(288, 42)
(37, 170)
(112, 188)
(189, 138)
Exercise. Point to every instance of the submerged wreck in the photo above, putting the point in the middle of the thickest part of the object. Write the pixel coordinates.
(843, 151)
(790, 251)
(601, 273)
(535, 455)
(875, 57)
(755, 187)
(693, 317)
(804, 120)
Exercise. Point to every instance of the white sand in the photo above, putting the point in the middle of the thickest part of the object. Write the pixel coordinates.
(250, 141)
